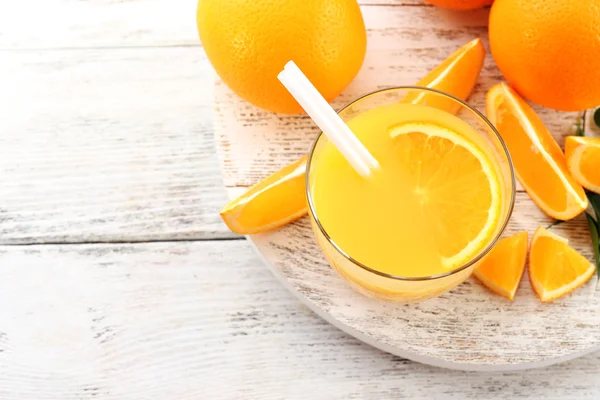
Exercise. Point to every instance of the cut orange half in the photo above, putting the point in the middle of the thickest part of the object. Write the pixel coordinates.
(583, 160)
(555, 268)
(275, 201)
(502, 268)
(539, 162)
(461, 202)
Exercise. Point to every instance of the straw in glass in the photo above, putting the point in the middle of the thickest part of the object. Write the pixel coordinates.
(327, 119)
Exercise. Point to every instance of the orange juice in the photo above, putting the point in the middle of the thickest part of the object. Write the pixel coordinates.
(435, 204)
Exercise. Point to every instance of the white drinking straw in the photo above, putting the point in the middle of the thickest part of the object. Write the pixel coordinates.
(327, 119)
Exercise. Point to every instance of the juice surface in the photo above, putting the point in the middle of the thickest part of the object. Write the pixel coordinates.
(380, 221)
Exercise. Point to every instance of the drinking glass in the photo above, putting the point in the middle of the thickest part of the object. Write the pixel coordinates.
(366, 278)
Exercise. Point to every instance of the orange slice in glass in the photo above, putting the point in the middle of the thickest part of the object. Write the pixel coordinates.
(462, 204)
(583, 160)
(502, 268)
(555, 268)
(539, 162)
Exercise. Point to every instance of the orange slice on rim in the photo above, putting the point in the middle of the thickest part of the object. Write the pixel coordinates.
(463, 203)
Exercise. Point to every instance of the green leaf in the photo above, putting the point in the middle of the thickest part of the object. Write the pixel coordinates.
(578, 129)
(597, 117)
(579, 125)
(556, 222)
(595, 242)
(594, 200)
(593, 219)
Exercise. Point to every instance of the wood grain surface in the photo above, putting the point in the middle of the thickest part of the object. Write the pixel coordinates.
(108, 145)
(106, 135)
(142, 321)
(68, 24)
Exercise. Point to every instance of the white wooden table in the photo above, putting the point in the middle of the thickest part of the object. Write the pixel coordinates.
(117, 278)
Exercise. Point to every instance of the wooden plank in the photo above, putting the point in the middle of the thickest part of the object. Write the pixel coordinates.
(31, 24)
(205, 320)
(65, 23)
(108, 145)
(404, 44)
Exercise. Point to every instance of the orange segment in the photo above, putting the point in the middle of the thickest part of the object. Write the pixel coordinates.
(583, 160)
(501, 270)
(461, 203)
(555, 268)
(456, 75)
(540, 164)
(275, 201)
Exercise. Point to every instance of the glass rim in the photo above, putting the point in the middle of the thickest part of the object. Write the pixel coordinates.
(481, 254)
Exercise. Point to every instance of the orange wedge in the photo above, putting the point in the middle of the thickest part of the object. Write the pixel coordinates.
(583, 160)
(555, 268)
(275, 201)
(456, 76)
(539, 162)
(502, 268)
(462, 203)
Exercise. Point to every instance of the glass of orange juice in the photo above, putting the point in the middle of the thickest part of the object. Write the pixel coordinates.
(441, 197)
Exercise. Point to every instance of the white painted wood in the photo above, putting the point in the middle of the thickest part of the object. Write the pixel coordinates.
(50, 24)
(206, 320)
(104, 137)
(469, 328)
(108, 145)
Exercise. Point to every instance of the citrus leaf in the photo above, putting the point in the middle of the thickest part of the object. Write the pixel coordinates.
(593, 219)
(594, 200)
(556, 222)
(594, 233)
(579, 125)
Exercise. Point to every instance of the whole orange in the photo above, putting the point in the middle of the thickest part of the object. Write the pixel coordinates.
(549, 50)
(460, 4)
(249, 41)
